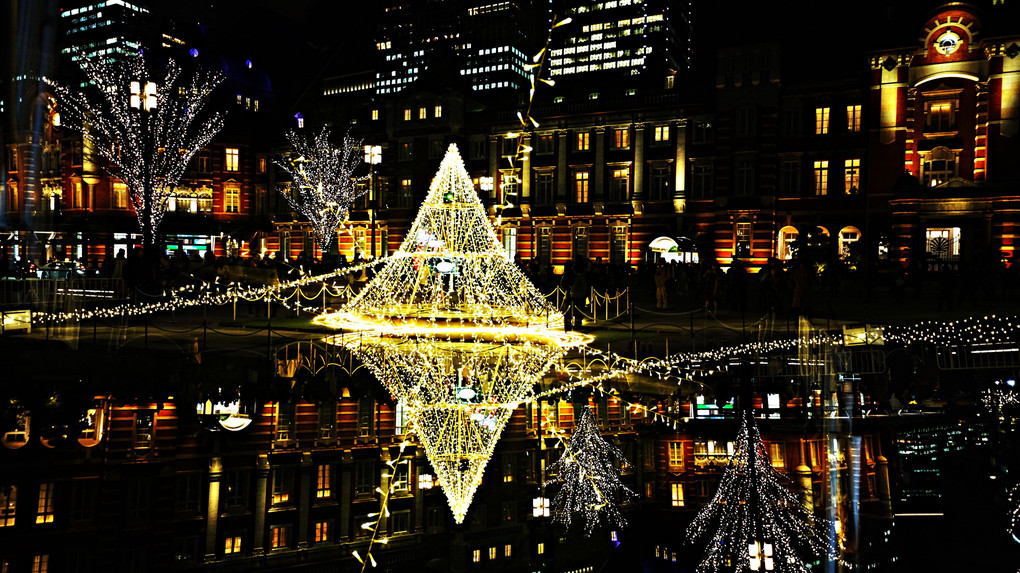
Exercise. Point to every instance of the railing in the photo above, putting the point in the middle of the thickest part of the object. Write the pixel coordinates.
(15, 320)
(42, 293)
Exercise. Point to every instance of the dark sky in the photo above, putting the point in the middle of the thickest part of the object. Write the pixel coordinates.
(297, 42)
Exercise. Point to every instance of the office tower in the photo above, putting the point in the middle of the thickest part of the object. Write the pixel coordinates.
(650, 40)
(489, 43)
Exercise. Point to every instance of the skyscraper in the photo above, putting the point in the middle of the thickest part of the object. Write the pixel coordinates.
(488, 42)
(626, 37)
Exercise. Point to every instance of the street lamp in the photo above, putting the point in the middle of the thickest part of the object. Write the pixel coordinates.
(759, 554)
(540, 507)
(373, 157)
(486, 183)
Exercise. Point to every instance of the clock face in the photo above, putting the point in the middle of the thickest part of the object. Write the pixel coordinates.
(947, 43)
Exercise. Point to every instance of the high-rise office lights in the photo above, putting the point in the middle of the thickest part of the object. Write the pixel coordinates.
(484, 41)
(102, 29)
(631, 37)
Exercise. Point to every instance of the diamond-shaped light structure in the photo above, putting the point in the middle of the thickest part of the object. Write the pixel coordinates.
(455, 332)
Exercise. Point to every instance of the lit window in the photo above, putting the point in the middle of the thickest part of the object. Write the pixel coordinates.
(40, 564)
(621, 138)
(321, 531)
(583, 141)
(821, 177)
(620, 185)
(278, 536)
(423, 113)
(852, 176)
(322, 481)
(231, 545)
(540, 548)
(492, 553)
(231, 198)
(507, 550)
(438, 112)
(853, 118)
(233, 158)
(676, 454)
(662, 133)
(375, 115)
(120, 195)
(676, 494)
(8, 503)
(476, 556)
(777, 455)
(282, 480)
(940, 117)
(942, 243)
(407, 114)
(581, 186)
(937, 166)
(821, 120)
(262, 165)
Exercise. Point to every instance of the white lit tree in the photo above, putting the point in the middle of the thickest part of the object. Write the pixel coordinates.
(589, 478)
(147, 126)
(755, 522)
(324, 185)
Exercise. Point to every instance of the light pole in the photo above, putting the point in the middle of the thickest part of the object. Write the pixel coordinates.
(143, 98)
(373, 157)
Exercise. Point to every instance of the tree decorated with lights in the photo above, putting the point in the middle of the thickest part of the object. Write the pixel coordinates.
(454, 331)
(146, 128)
(323, 184)
(589, 478)
(759, 523)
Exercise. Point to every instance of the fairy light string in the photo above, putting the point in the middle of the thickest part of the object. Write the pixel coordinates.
(454, 331)
(323, 185)
(754, 521)
(147, 131)
(383, 513)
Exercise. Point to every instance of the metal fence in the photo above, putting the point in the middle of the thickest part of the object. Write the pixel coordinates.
(50, 294)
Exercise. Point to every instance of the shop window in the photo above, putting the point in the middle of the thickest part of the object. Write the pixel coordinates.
(580, 243)
(787, 240)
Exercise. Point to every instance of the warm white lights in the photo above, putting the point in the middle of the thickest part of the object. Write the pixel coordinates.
(454, 331)
(323, 182)
(148, 151)
(589, 479)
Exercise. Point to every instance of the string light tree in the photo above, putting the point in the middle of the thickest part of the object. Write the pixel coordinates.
(146, 129)
(455, 332)
(589, 479)
(323, 175)
(761, 525)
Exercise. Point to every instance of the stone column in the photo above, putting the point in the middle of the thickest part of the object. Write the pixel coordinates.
(803, 473)
(639, 162)
(305, 500)
(346, 487)
(562, 174)
(598, 190)
(680, 165)
(525, 187)
(261, 477)
(213, 507)
(882, 475)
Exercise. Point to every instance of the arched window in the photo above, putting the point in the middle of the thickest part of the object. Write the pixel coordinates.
(938, 166)
(847, 237)
(787, 237)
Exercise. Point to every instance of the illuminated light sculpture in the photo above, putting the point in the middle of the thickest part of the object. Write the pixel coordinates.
(146, 131)
(759, 521)
(323, 175)
(454, 331)
(590, 481)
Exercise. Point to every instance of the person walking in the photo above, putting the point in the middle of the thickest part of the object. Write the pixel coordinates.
(661, 279)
